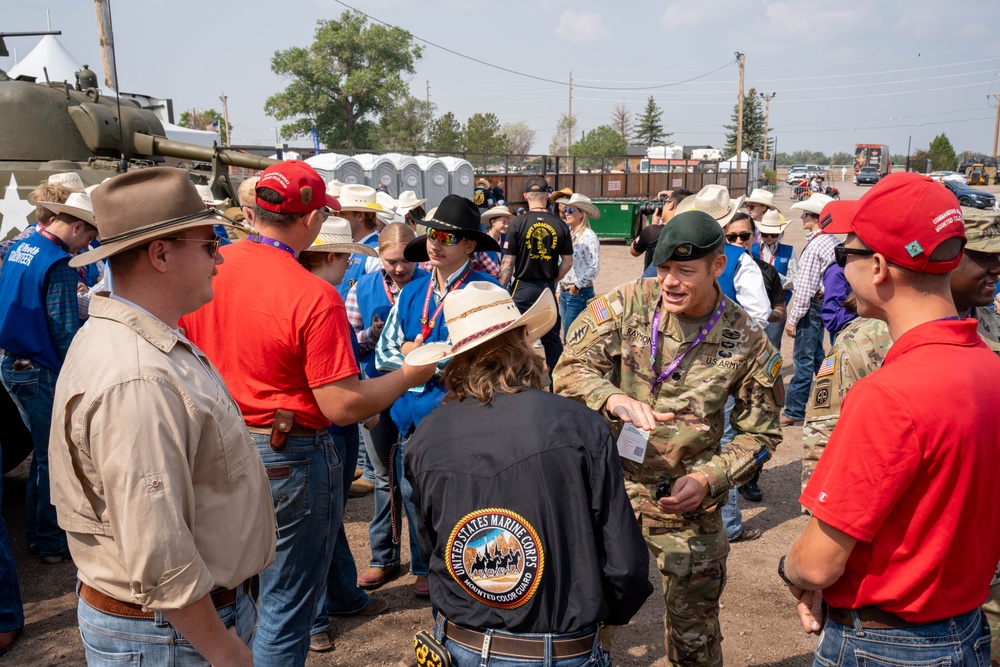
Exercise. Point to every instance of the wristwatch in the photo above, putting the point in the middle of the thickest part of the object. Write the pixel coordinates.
(781, 573)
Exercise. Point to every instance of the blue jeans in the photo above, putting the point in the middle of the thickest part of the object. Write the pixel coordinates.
(418, 564)
(774, 331)
(339, 592)
(732, 518)
(11, 609)
(570, 306)
(464, 657)
(33, 391)
(807, 356)
(962, 640)
(304, 477)
(367, 470)
(112, 641)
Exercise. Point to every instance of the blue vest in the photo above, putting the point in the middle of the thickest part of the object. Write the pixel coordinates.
(727, 281)
(781, 259)
(414, 405)
(372, 300)
(24, 328)
(357, 269)
(344, 430)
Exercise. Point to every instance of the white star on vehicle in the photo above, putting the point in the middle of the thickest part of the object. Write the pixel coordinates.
(17, 213)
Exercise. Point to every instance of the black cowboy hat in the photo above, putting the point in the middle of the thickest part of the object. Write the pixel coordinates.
(455, 214)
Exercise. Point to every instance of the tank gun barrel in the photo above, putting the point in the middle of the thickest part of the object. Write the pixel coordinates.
(148, 144)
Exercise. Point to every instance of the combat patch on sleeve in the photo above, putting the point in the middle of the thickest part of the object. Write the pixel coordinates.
(600, 310)
(496, 556)
(773, 365)
(821, 394)
(828, 366)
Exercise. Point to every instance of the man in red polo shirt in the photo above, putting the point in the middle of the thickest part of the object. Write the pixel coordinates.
(905, 533)
(280, 337)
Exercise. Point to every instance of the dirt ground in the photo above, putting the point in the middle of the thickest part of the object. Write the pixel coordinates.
(758, 620)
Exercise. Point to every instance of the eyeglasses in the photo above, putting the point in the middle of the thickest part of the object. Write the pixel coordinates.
(769, 236)
(840, 254)
(444, 238)
(211, 245)
(325, 212)
(742, 236)
(569, 211)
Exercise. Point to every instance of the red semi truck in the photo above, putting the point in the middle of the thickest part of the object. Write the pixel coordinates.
(872, 155)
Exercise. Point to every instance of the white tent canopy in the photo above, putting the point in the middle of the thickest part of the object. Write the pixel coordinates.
(730, 164)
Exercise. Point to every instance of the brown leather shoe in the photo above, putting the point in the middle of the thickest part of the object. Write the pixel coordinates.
(374, 608)
(787, 421)
(421, 588)
(320, 642)
(358, 472)
(374, 577)
(748, 535)
(361, 487)
(9, 638)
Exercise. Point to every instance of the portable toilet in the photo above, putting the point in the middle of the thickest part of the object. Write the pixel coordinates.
(409, 175)
(435, 175)
(460, 176)
(379, 170)
(343, 168)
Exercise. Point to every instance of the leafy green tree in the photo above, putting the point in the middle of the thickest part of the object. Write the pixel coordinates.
(648, 128)
(918, 161)
(200, 119)
(341, 84)
(404, 127)
(602, 141)
(753, 127)
(942, 154)
(481, 134)
(840, 157)
(445, 134)
(565, 126)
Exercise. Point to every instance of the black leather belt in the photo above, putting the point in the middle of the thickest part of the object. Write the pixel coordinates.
(870, 617)
(519, 647)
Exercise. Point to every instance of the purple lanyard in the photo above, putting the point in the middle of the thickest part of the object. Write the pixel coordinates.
(266, 240)
(654, 343)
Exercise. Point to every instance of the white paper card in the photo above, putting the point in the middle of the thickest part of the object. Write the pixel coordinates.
(632, 443)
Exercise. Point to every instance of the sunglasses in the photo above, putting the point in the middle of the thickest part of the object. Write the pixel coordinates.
(770, 236)
(444, 238)
(569, 210)
(212, 246)
(742, 236)
(840, 254)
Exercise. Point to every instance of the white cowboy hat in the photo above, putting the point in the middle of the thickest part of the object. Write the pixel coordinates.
(333, 188)
(355, 197)
(763, 197)
(335, 236)
(581, 202)
(495, 212)
(77, 205)
(714, 200)
(814, 204)
(69, 180)
(389, 212)
(772, 223)
(408, 201)
(480, 312)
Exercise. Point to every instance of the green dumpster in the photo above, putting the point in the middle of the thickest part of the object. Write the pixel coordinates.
(619, 219)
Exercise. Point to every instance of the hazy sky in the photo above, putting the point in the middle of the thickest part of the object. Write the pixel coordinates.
(844, 73)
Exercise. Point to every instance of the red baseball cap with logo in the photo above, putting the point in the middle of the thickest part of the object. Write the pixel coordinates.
(904, 217)
(302, 190)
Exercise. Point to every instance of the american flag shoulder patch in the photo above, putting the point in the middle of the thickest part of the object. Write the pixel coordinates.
(828, 366)
(599, 309)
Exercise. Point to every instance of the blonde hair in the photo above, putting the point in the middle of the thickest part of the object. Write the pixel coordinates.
(506, 364)
(393, 233)
(246, 193)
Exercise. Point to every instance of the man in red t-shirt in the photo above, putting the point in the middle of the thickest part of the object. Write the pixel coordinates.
(905, 533)
(280, 337)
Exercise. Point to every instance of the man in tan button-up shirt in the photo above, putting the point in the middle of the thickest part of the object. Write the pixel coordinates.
(155, 478)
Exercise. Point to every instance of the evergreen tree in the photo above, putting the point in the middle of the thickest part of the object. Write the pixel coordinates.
(648, 128)
(753, 127)
(482, 135)
(942, 154)
(445, 134)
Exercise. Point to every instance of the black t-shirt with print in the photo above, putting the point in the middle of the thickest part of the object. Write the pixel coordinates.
(646, 241)
(536, 240)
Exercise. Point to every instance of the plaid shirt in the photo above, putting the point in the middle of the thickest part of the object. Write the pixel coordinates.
(365, 341)
(5, 246)
(815, 260)
(61, 308)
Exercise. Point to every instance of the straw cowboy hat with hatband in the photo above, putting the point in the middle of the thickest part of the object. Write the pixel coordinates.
(78, 205)
(814, 204)
(583, 203)
(358, 198)
(714, 200)
(762, 197)
(335, 236)
(772, 223)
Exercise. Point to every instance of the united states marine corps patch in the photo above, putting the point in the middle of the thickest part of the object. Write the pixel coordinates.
(496, 556)
(601, 311)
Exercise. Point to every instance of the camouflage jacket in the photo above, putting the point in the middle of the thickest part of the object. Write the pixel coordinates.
(607, 352)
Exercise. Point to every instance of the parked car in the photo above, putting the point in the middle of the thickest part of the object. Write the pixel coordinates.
(867, 175)
(970, 196)
(815, 170)
(795, 174)
(957, 176)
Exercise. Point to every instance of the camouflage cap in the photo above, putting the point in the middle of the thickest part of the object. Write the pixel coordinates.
(982, 230)
(689, 235)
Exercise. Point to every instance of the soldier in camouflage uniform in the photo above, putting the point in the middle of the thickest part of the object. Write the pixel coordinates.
(862, 345)
(607, 365)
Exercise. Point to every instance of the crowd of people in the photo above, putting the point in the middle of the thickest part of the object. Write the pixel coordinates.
(243, 372)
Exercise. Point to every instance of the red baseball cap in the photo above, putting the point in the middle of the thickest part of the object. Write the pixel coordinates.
(904, 217)
(302, 190)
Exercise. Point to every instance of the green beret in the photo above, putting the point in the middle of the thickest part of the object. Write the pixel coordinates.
(689, 235)
(982, 230)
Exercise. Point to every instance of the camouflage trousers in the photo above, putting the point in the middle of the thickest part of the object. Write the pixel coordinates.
(691, 557)
(991, 609)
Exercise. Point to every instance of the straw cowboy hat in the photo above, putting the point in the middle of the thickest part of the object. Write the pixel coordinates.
(77, 205)
(495, 212)
(814, 204)
(772, 223)
(333, 188)
(69, 180)
(454, 214)
(763, 197)
(408, 201)
(714, 200)
(143, 205)
(335, 236)
(481, 312)
(583, 203)
(358, 198)
(563, 193)
(389, 212)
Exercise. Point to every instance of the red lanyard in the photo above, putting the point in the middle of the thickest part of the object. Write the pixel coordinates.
(385, 286)
(62, 244)
(427, 324)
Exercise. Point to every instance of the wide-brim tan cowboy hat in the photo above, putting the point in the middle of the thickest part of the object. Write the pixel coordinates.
(814, 204)
(480, 312)
(583, 203)
(355, 197)
(555, 196)
(495, 212)
(144, 205)
(335, 236)
(78, 205)
(772, 223)
(714, 200)
(762, 197)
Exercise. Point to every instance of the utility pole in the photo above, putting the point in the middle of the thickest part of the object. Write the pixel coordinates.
(569, 118)
(767, 97)
(103, 8)
(225, 117)
(739, 113)
(996, 131)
